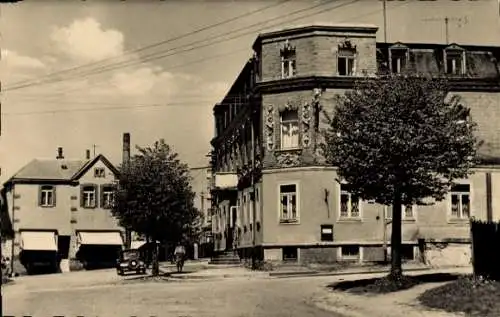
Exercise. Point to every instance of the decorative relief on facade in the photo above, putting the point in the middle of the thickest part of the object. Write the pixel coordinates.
(288, 107)
(306, 124)
(347, 45)
(288, 159)
(270, 127)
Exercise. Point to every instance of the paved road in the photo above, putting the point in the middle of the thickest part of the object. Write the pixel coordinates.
(102, 293)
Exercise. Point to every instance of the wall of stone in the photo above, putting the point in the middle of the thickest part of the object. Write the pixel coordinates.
(448, 254)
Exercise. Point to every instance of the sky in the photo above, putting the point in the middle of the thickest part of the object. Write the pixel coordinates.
(81, 73)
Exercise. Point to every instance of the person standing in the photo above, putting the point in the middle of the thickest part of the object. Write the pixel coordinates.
(179, 254)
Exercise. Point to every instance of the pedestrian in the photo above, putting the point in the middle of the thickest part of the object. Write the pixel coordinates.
(179, 254)
(7, 267)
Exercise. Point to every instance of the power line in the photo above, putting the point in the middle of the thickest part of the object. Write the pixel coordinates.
(216, 56)
(156, 44)
(233, 52)
(101, 108)
(154, 56)
(196, 103)
(198, 61)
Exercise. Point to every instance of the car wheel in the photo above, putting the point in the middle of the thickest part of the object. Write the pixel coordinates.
(120, 272)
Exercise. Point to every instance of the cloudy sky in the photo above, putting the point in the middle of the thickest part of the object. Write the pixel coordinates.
(77, 74)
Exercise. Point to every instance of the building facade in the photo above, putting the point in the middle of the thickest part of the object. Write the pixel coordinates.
(201, 184)
(268, 129)
(60, 212)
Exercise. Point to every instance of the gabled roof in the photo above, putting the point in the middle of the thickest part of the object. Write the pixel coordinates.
(90, 163)
(57, 170)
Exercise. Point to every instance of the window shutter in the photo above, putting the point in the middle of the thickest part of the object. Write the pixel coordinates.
(54, 196)
(39, 195)
(82, 201)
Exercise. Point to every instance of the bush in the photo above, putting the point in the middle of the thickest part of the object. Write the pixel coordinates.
(470, 295)
(260, 266)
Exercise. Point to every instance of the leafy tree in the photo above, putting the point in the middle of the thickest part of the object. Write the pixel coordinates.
(154, 198)
(398, 140)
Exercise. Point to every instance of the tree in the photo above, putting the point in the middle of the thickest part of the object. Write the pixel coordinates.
(399, 140)
(154, 198)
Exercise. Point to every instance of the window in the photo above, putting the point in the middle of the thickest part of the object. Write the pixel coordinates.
(107, 196)
(349, 204)
(399, 60)
(349, 252)
(289, 129)
(290, 254)
(288, 61)
(346, 62)
(288, 65)
(47, 196)
(326, 232)
(99, 172)
(455, 62)
(88, 196)
(407, 252)
(407, 212)
(460, 201)
(288, 203)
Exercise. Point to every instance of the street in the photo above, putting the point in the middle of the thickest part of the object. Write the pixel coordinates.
(103, 293)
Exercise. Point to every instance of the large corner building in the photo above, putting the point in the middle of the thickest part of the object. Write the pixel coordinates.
(268, 130)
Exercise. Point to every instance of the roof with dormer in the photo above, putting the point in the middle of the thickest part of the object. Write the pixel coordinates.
(58, 170)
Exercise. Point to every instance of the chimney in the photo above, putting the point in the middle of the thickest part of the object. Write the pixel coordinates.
(60, 155)
(87, 154)
(126, 148)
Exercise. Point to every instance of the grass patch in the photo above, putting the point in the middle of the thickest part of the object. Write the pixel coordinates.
(472, 296)
(384, 285)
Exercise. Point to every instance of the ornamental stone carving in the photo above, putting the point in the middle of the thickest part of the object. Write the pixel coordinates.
(288, 159)
(270, 127)
(306, 124)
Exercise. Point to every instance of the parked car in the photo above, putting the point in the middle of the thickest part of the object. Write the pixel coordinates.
(130, 261)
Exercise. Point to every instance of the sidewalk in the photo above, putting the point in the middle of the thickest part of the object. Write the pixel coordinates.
(326, 270)
(396, 304)
(203, 270)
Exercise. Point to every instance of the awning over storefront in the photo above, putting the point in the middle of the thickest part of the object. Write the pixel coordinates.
(100, 238)
(38, 241)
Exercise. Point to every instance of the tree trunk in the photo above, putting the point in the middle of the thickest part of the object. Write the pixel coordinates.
(396, 270)
(155, 270)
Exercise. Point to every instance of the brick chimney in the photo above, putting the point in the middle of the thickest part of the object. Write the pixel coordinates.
(60, 155)
(126, 148)
(87, 154)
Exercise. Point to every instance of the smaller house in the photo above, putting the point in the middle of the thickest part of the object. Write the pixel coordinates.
(60, 213)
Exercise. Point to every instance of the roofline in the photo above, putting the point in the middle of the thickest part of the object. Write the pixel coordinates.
(348, 28)
(37, 181)
(86, 167)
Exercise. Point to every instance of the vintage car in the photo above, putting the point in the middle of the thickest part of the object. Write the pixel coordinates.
(130, 261)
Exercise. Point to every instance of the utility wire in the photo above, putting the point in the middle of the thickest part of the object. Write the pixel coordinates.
(234, 96)
(153, 45)
(155, 56)
(139, 106)
(182, 65)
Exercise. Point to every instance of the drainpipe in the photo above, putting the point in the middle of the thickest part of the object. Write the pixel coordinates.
(13, 228)
(489, 209)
